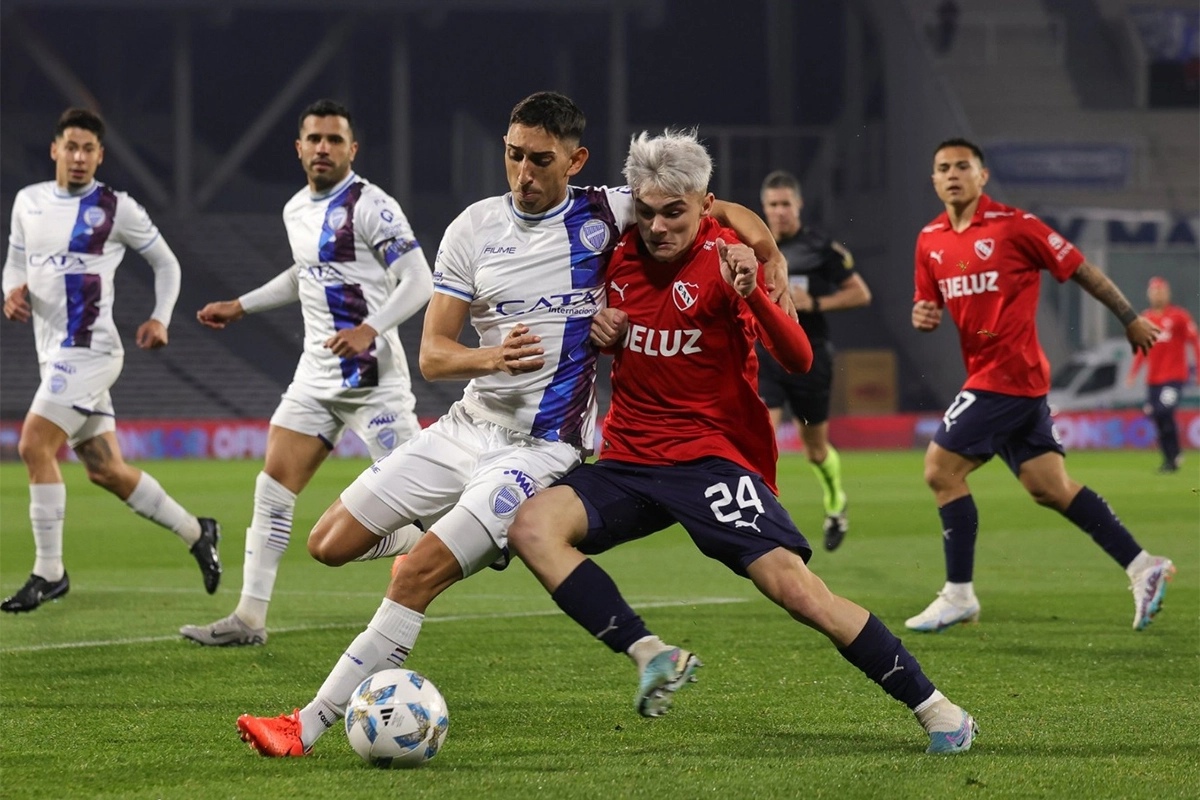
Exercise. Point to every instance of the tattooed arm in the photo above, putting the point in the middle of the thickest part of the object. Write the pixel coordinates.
(1141, 332)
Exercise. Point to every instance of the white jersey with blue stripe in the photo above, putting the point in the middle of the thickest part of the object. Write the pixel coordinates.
(547, 272)
(343, 242)
(73, 244)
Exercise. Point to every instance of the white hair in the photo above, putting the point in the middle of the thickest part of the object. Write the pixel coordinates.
(674, 163)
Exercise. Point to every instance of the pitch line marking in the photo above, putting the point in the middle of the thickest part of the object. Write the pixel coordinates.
(38, 648)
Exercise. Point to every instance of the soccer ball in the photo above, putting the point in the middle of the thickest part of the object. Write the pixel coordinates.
(397, 718)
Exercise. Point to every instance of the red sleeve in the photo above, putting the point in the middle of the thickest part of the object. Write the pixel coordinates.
(1139, 358)
(784, 339)
(1047, 248)
(926, 284)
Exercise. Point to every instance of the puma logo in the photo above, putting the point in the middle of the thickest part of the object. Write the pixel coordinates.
(741, 523)
(620, 290)
(612, 622)
(892, 671)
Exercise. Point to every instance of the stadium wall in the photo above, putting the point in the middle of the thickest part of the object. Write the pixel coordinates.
(149, 440)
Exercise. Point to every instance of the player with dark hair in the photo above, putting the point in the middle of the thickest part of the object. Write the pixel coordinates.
(358, 273)
(1167, 369)
(68, 237)
(688, 440)
(982, 261)
(821, 278)
(526, 269)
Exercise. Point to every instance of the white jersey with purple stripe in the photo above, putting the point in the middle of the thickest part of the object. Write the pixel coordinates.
(547, 272)
(343, 242)
(73, 244)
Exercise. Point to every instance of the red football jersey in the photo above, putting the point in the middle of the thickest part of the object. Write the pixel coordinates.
(1168, 357)
(685, 380)
(988, 278)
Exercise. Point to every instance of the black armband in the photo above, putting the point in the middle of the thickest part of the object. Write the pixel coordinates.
(1128, 317)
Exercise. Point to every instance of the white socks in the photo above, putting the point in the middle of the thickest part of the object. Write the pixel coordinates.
(47, 509)
(149, 500)
(645, 649)
(394, 544)
(1140, 562)
(384, 644)
(267, 538)
(938, 715)
(959, 593)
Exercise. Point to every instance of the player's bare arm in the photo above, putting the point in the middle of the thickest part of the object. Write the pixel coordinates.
(218, 315)
(16, 304)
(926, 316)
(608, 327)
(1141, 332)
(444, 358)
(349, 342)
(151, 335)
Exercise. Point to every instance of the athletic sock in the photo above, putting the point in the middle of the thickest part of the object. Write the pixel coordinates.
(960, 525)
(1096, 518)
(395, 543)
(148, 499)
(645, 649)
(881, 657)
(590, 597)
(267, 539)
(47, 509)
(829, 473)
(385, 643)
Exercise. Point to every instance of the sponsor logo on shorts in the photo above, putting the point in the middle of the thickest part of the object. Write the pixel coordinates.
(61, 367)
(524, 482)
(58, 384)
(386, 418)
(386, 438)
(505, 501)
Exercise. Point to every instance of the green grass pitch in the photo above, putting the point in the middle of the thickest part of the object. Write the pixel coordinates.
(101, 698)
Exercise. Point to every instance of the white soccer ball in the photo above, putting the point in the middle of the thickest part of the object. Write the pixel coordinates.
(397, 718)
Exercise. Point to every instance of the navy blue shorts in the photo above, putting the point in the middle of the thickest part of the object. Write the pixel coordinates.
(806, 394)
(982, 424)
(728, 511)
(1163, 398)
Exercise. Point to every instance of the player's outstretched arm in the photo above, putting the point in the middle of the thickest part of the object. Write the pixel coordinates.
(444, 358)
(1141, 332)
(218, 315)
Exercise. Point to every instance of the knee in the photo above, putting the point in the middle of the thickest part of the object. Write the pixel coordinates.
(939, 479)
(532, 531)
(322, 543)
(1050, 496)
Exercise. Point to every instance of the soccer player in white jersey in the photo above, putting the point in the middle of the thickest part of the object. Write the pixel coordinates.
(68, 237)
(527, 270)
(358, 273)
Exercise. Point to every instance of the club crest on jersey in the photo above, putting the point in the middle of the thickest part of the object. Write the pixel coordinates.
(594, 235)
(685, 294)
(984, 248)
(337, 218)
(94, 217)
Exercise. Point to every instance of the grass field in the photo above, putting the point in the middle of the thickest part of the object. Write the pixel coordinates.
(101, 698)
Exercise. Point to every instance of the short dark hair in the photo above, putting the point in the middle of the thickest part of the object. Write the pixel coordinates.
(327, 108)
(554, 113)
(958, 141)
(782, 179)
(83, 118)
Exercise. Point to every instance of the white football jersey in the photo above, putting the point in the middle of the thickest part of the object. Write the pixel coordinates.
(73, 245)
(342, 244)
(546, 272)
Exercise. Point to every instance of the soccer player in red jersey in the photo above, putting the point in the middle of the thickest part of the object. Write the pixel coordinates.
(982, 261)
(688, 440)
(1168, 370)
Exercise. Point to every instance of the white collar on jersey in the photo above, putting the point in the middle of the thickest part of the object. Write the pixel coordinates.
(316, 198)
(61, 192)
(521, 215)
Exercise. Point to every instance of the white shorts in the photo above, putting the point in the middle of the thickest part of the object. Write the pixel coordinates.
(74, 394)
(458, 466)
(381, 417)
